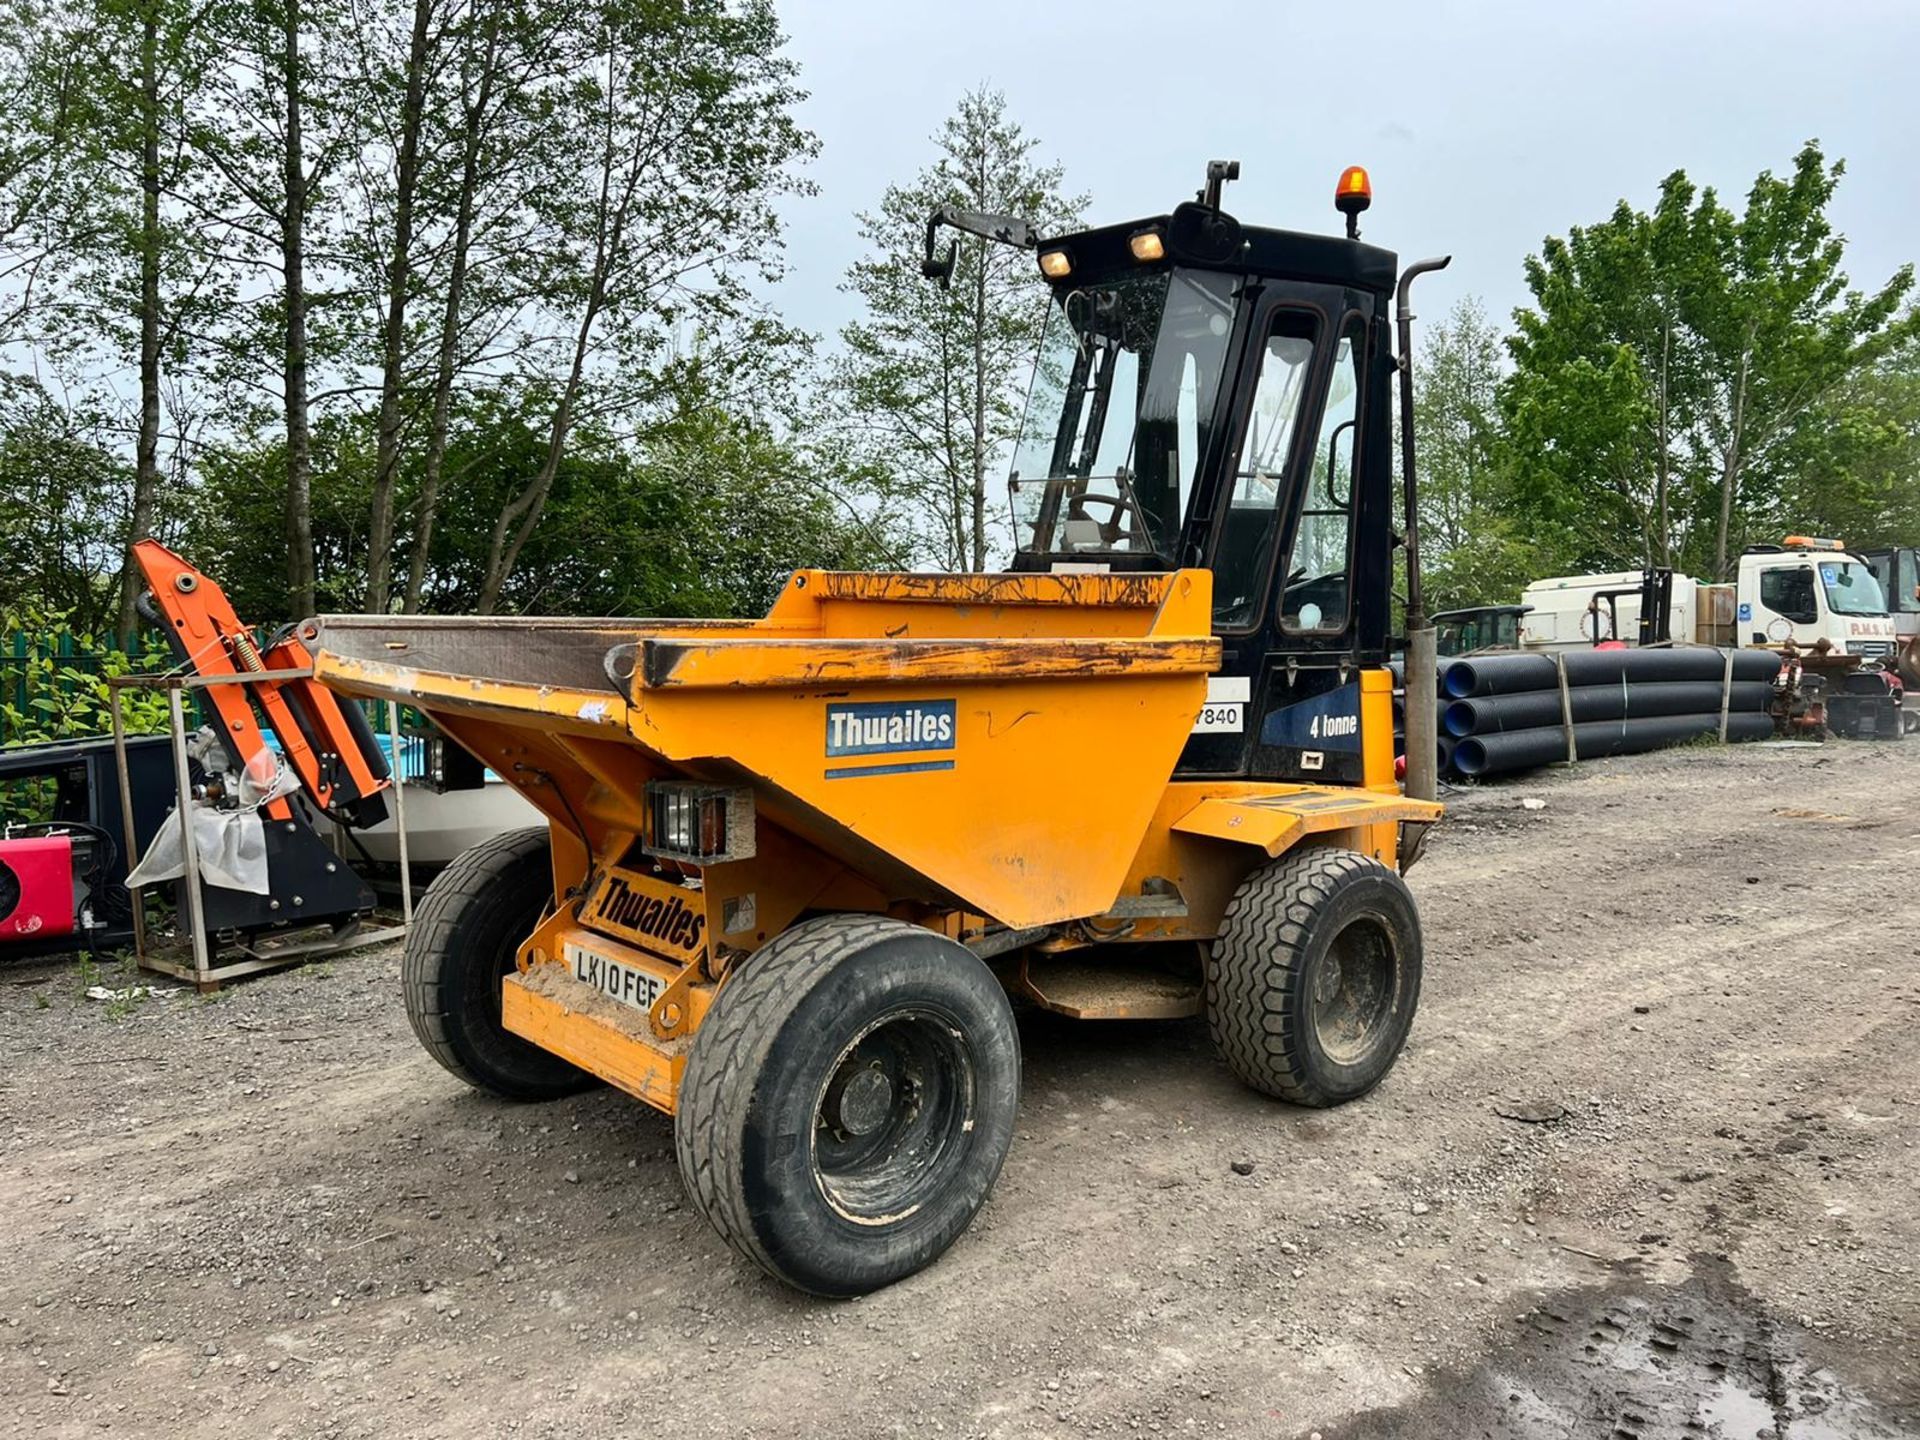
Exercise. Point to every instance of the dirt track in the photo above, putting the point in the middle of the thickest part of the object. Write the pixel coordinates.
(272, 1214)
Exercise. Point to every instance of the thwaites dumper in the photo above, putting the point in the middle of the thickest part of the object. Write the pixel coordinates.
(796, 865)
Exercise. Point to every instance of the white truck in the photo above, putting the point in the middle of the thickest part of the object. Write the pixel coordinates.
(1804, 590)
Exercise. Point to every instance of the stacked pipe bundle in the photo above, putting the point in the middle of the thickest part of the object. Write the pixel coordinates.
(1500, 713)
(1504, 711)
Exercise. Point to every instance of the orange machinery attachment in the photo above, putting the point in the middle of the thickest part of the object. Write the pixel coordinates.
(329, 745)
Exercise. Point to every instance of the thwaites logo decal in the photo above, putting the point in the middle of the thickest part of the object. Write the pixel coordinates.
(1326, 722)
(664, 918)
(865, 731)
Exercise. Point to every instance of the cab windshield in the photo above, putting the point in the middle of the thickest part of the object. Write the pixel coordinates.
(1851, 588)
(1120, 409)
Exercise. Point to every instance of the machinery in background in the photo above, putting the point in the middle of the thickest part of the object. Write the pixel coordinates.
(1822, 690)
(63, 874)
(1478, 628)
(453, 804)
(1822, 607)
(1651, 606)
(1804, 590)
(246, 864)
(1898, 571)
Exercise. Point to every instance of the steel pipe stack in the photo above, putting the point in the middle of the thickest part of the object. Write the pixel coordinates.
(1503, 712)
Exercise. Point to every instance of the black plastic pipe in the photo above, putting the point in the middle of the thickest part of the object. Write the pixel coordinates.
(1515, 674)
(1493, 714)
(1525, 749)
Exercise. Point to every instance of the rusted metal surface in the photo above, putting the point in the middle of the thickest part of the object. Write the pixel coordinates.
(1276, 821)
(758, 663)
(550, 1008)
(1118, 989)
(1135, 591)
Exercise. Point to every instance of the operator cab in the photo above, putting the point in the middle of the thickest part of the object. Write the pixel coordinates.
(1478, 629)
(1217, 395)
(1898, 571)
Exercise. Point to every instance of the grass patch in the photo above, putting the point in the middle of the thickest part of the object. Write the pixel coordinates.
(120, 1007)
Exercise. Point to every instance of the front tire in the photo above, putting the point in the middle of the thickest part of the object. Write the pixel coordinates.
(849, 1101)
(1313, 981)
(465, 937)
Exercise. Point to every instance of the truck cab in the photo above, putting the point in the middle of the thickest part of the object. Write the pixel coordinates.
(1806, 590)
(1898, 571)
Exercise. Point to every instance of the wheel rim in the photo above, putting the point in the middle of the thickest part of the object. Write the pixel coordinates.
(892, 1121)
(1353, 991)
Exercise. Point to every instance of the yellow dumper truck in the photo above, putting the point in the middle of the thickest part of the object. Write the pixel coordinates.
(794, 867)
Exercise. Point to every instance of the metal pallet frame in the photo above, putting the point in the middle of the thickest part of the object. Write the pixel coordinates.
(271, 955)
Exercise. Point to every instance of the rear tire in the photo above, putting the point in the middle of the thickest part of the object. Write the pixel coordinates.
(848, 1102)
(465, 936)
(1313, 981)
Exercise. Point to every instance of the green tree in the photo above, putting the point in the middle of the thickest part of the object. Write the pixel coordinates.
(42, 129)
(100, 164)
(931, 376)
(272, 136)
(1851, 468)
(1471, 551)
(1779, 331)
(1600, 385)
(465, 94)
(660, 168)
(63, 492)
(1669, 360)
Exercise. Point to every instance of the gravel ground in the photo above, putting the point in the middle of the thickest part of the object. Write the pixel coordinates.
(1650, 1166)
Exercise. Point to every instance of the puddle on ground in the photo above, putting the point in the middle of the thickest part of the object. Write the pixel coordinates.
(1637, 1361)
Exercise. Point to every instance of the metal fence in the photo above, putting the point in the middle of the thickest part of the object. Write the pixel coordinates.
(53, 682)
(53, 687)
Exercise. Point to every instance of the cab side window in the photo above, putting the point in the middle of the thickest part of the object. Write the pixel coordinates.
(1316, 595)
(1788, 591)
(1249, 532)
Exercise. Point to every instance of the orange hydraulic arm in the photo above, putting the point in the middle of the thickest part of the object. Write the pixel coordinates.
(330, 747)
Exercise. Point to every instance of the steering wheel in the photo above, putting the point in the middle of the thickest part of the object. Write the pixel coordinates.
(1112, 530)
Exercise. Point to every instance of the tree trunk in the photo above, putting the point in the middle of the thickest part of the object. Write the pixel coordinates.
(146, 475)
(393, 344)
(434, 462)
(979, 447)
(1730, 470)
(1663, 534)
(300, 571)
(516, 523)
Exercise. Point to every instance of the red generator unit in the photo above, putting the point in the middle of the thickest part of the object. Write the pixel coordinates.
(42, 889)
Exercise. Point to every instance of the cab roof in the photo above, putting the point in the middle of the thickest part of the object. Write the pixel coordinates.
(1196, 235)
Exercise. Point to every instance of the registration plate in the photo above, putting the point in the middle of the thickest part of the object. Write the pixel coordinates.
(615, 979)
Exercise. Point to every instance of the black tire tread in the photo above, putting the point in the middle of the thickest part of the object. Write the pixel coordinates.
(1254, 975)
(472, 878)
(730, 1049)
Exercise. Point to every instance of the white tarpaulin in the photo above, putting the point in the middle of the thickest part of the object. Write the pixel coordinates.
(231, 844)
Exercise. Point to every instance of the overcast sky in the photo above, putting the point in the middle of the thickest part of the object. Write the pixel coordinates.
(1485, 126)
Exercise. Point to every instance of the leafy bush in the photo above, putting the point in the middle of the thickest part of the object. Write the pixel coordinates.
(53, 682)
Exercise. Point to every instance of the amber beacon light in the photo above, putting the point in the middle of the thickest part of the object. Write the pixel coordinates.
(1353, 194)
